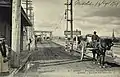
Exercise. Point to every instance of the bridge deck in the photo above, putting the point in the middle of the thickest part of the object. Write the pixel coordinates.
(50, 60)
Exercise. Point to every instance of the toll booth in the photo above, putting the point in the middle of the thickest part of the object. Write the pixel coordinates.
(44, 35)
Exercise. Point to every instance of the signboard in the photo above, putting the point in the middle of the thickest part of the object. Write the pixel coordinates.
(74, 32)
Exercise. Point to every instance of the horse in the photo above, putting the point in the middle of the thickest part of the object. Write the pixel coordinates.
(101, 47)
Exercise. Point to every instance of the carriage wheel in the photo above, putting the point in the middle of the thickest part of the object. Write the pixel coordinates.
(82, 50)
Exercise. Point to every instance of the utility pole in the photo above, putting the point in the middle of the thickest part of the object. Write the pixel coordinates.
(30, 9)
(29, 13)
(66, 14)
(16, 30)
(27, 7)
(66, 17)
(26, 2)
(30, 17)
(69, 10)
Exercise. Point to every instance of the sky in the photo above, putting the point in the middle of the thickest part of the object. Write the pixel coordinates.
(49, 16)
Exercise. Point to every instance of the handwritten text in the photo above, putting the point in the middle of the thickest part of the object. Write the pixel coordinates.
(100, 3)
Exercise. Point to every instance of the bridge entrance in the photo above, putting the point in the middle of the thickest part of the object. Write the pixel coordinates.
(43, 35)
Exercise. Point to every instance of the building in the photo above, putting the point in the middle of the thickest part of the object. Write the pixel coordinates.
(115, 39)
(6, 23)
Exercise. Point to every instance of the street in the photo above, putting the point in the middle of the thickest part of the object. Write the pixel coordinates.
(50, 60)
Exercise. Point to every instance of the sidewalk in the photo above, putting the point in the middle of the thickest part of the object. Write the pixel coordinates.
(24, 57)
(115, 59)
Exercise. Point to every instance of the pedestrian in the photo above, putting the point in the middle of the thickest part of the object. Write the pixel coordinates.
(95, 40)
(30, 41)
(3, 50)
(95, 37)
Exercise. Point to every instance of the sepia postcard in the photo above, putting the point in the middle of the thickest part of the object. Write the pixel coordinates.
(59, 38)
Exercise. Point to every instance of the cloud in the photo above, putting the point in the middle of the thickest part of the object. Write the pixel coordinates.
(99, 20)
(104, 25)
(107, 12)
(48, 13)
(102, 19)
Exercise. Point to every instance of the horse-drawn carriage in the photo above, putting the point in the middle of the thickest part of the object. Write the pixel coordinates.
(86, 45)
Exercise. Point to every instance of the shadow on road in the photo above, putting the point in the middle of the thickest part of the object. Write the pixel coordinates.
(60, 63)
(112, 64)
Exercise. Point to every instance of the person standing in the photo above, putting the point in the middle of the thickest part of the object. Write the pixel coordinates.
(95, 37)
(3, 50)
(95, 40)
(30, 41)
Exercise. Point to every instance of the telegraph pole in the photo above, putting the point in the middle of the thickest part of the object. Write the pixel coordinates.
(30, 9)
(70, 20)
(27, 7)
(30, 17)
(71, 11)
(66, 17)
(16, 31)
(66, 14)
(26, 2)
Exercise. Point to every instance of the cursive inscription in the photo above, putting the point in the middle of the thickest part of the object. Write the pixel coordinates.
(103, 3)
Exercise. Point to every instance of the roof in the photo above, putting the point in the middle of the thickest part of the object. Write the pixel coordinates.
(43, 31)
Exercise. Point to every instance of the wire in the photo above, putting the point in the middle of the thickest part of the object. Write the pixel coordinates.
(60, 21)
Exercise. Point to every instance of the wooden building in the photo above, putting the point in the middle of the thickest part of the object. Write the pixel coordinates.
(6, 23)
